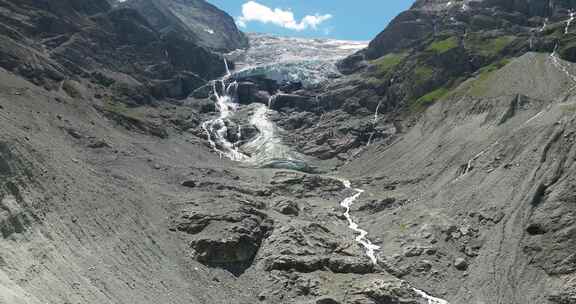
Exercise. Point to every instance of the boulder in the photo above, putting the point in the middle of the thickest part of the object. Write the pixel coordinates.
(383, 291)
(413, 251)
(228, 237)
(291, 86)
(298, 102)
(304, 264)
(326, 300)
(461, 264)
(247, 92)
(287, 207)
(376, 206)
(350, 265)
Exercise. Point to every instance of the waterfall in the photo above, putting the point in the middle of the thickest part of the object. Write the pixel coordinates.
(569, 21)
(271, 100)
(216, 129)
(238, 139)
(543, 26)
(374, 123)
(227, 67)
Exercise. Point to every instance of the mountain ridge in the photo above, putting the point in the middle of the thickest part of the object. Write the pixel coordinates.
(205, 23)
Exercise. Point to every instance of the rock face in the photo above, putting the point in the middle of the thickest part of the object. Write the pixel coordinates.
(470, 228)
(430, 48)
(227, 238)
(49, 43)
(197, 20)
(432, 17)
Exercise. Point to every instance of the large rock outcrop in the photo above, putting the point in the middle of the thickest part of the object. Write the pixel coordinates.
(198, 20)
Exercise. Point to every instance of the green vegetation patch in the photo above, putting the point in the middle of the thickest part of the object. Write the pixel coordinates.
(433, 96)
(422, 74)
(429, 99)
(568, 108)
(373, 81)
(122, 109)
(498, 44)
(490, 47)
(386, 63)
(567, 48)
(443, 46)
(478, 86)
(495, 66)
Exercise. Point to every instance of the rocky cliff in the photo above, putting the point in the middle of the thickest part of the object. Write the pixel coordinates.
(51, 43)
(198, 20)
(435, 45)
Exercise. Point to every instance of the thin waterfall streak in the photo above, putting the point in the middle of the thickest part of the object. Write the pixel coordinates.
(377, 112)
(569, 21)
(238, 137)
(374, 123)
(227, 67)
(556, 62)
(271, 100)
(543, 28)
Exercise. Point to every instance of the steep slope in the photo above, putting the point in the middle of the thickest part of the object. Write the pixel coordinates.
(80, 219)
(51, 43)
(200, 21)
(484, 191)
(435, 45)
(85, 206)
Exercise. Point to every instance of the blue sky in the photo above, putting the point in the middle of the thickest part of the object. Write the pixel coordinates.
(339, 19)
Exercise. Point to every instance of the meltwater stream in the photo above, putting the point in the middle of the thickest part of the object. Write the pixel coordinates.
(267, 147)
(361, 238)
(370, 249)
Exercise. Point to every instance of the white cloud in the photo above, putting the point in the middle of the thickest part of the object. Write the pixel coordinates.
(254, 11)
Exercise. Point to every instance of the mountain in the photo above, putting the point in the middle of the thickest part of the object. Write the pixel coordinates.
(202, 22)
(137, 166)
(449, 41)
(50, 42)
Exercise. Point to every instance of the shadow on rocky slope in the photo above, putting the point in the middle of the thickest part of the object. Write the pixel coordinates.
(50, 42)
